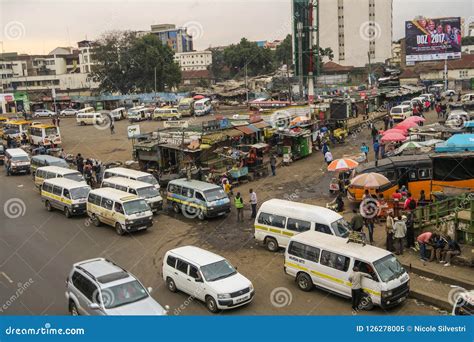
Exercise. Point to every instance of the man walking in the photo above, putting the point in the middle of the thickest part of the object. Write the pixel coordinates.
(253, 203)
(273, 164)
(356, 287)
(239, 205)
(328, 157)
(365, 150)
(399, 233)
(112, 127)
(376, 149)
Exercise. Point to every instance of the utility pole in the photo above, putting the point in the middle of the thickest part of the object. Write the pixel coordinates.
(246, 83)
(311, 66)
(155, 84)
(288, 79)
(299, 28)
(445, 74)
(370, 70)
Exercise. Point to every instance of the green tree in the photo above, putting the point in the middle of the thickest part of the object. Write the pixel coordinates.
(258, 60)
(125, 63)
(218, 67)
(284, 52)
(469, 40)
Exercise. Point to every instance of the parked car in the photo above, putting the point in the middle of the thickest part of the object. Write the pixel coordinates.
(42, 113)
(100, 287)
(449, 93)
(206, 276)
(68, 112)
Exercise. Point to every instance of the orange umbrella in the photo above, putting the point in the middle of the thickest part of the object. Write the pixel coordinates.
(343, 164)
(298, 120)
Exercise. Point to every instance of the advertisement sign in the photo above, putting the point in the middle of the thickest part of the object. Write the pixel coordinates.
(175, 124)
(433, 39)
(133, 131)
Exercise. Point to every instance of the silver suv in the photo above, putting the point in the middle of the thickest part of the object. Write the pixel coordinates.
(100, 287)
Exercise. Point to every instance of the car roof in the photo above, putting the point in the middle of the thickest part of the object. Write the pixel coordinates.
(127, 172)
(340, 245)
(134, 184)
(47, 158)
(16, 152)
(298, 210)
(103, 270)
(196, 255)
(66, 183)
(402, 106)
(57, 169)
(114, 194)
(194, 184)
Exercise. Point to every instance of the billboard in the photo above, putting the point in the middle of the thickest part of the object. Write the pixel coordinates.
(433, 39)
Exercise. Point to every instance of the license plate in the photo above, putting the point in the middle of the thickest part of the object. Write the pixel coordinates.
(220, 214)
(401, 299)
(243, 299)
(142, 227)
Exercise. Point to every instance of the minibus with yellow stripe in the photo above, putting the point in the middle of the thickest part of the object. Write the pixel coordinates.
(320, 260)
(125, 212)
(49, 172)
(278, 220)
(65, 195)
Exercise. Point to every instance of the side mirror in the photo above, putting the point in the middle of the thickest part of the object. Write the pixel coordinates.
(198, 280)
(150, 289)
(94, 306)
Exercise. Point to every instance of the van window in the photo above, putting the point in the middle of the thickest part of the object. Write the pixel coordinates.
(272, 220)
(121, 188)
(303, 251)
(199, 196)
(118, 208)
(333, 260)
(106, 185)
(366, 268)
(132, 191)
(106, 203)
(298, 225)
(171, 261)
(57, 190)
(186, 192)
(49, 175)
(182, 266)
(107, 174)
(47, 187)
(323, 228)
(39, 174)
(193, 272)
(424, 173)
(175, 189)
(84, 285)
(66, 193)
(94, 199)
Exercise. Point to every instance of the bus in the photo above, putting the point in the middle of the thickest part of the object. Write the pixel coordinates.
(15, 128)
(44, 135)
(436, 172)
(186, 106)
(202, 107)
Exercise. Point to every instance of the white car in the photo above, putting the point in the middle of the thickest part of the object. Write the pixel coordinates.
(42, 113)
(207, 277)
(68, 112)
(449, 92)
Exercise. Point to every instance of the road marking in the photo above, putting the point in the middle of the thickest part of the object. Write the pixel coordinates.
(6, 277)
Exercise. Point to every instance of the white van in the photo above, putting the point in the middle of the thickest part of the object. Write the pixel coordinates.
(118, 113)
(467, 98)
(131, 174)
(166, 113)
(86, 110)
(89, 119)
(48, 172)
(125, 212)
(322, 260)
(139, 113)
(65, 195)
(400, 113)
(17, 161)
(207, 277)
(143, 190)
(278, 220)
(202, 107)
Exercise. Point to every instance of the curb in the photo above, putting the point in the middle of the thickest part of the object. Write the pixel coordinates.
(438, 277)
(427, 298)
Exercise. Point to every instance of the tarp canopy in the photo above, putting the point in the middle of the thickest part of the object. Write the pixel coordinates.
(457, 143)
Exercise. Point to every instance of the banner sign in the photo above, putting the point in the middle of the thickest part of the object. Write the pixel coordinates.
(133, 131)
(433, 39)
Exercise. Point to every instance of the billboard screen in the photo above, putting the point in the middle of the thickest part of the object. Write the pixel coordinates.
(433, 39)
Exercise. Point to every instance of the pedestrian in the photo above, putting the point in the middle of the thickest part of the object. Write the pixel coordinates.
(24, 139)
(62, 154)
(374, 133)
(438, 244)
(386, 122)
(112, 127)
(328, 157)
(410, 203)
(392, 122)
(424, 240)
(399, 233)
(410, 231)
(452, 249)
(54, 121)
(58, 120)
(357, 221)
(370, 223)
(80, 163)
(356, 286)
(325, 148)
(9, 141)
(376, 149)
(273, 164)
(253, 203)
(365, 149)
(239, 205)
(389, 231)
(438, 109)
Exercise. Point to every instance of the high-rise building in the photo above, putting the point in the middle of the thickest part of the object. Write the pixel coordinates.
(354, 29)
(177, 38)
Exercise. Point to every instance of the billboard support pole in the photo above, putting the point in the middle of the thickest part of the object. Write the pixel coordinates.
(299, 27)
(445, 74)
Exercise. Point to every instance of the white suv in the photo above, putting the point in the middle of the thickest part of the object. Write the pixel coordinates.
(207, 277)
(100, 287)
(41, 113)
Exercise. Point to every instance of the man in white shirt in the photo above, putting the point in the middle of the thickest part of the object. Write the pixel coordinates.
(356, 287)
(328, 157)
(253, 203)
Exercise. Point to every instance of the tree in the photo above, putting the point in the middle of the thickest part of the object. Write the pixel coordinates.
(468, 40)
(218, 67)
(127, 64)
(284, 52)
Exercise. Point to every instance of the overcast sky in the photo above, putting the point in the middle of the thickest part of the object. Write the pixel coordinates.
(38, 26)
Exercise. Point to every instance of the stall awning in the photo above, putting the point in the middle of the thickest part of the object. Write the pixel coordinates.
(213, 138)
(233, 132)
(261, 124)
(246, 130)
(254, 128)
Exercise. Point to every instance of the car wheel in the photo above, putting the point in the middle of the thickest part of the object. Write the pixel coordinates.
(67, 213)
(118, 229)
(272, 244)
(304, 282)
(211, 304)
(50, 115)
(95, 220)
(73, 309)
(201, 215)
(170, 284)
(48, 206)
(176, 208)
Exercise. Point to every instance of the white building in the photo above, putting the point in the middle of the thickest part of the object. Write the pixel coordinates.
(355, 28)
(85, 56)
(396, 58)
(196, 60)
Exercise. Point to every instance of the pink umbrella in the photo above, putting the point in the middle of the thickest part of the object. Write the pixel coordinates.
(415, 119)
(406, 125)
(393, 136)
(395, 130)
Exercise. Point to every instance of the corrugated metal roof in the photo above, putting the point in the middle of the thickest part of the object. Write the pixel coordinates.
(246, 130)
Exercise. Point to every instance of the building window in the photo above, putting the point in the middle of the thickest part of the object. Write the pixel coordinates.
(463, 74)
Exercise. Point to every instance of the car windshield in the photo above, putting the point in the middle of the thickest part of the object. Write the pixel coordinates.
(136, 206)
(218, 270)
(60, 163)
(396, 110)
(183, 107)
(199, 106)
(214, 194)
(21, 159)
(341, 228)
(76, 176)
(51, 131)
(148, 179)
(389, 268)
(78, 193)
(123, 294)
(148, 192)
